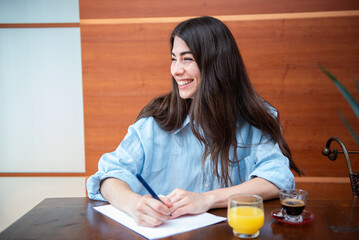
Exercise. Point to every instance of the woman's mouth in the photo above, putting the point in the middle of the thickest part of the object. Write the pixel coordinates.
(182, 83)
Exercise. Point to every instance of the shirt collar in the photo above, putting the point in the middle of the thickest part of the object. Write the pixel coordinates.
(185, 123)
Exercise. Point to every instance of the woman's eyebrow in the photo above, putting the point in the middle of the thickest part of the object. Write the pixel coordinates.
(182, 53)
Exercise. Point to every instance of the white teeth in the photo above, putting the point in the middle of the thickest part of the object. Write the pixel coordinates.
(181, 83)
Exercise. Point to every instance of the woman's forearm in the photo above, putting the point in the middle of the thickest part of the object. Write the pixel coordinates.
(145, 210)
(219, 198)
(119, 194)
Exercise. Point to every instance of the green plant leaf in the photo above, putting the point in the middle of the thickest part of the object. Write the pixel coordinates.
(350, 99)
(349, 127)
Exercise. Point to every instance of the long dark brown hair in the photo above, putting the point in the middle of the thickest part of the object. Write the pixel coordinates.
(225, 97)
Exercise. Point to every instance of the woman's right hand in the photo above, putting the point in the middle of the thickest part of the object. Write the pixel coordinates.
(146, 210)
(150, 212)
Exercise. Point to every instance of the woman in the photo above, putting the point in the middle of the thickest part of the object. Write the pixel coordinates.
(211, 137)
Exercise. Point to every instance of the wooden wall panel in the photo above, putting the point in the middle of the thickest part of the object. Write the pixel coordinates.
(126, 65)
(165, 8)
(283, 65)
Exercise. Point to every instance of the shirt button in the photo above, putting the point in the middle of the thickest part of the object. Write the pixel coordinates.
(206, 185)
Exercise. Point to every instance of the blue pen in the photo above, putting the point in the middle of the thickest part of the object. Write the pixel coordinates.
(149, 189)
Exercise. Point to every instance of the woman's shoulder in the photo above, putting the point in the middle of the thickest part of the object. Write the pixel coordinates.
(271, 109)
(246, 130)
(144, 122)
(146, 126)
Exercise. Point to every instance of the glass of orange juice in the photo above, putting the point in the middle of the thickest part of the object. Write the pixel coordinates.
(245, 215)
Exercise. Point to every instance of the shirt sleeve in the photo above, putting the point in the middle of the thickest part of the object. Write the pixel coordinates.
(123, 164)
(272, 165)
(264, 159)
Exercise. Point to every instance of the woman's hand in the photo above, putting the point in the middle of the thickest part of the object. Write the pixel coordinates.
(146, 210)
(150, 212)
(185, 202)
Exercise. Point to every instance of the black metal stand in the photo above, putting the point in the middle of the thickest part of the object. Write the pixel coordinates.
(332, 155)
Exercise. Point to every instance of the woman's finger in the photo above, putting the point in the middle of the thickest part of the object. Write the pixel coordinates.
(151, 211)
(177, 195)
(167, 201)
(148, 221)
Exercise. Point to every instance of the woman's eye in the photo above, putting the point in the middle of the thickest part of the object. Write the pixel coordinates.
(173, 59)
(188, 59)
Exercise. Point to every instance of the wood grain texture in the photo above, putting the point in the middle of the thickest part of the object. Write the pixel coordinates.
(90, 9)
(333, 191)
(124, 66)
(76, 218)
(282, 59)
(227, 18)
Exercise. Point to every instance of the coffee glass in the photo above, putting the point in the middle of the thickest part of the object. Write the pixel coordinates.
(293, 202)
(245, 215)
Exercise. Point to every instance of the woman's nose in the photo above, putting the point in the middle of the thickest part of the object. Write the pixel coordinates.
(177, 68)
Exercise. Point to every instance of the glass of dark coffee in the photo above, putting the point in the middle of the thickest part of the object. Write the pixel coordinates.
(293, 202)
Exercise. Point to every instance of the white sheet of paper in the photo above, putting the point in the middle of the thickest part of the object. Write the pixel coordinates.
(168, 228)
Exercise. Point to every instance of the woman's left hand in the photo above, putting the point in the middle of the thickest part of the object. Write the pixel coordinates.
(185, 202)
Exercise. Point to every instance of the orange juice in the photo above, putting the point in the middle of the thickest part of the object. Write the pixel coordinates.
(245, 220)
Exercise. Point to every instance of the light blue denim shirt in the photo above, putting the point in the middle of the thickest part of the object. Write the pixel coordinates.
(174, 160)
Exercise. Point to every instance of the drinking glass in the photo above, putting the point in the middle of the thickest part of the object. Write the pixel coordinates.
(293, 202)
(245, 215)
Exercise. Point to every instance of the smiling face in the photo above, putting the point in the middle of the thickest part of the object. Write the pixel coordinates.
(184, 69)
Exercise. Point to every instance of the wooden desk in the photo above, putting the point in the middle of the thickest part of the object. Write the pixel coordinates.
(75, 218)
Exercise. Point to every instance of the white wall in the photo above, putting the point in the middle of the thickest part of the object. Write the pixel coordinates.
(41, 108)
(41, 102)
(39, 11)
(41, 105)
